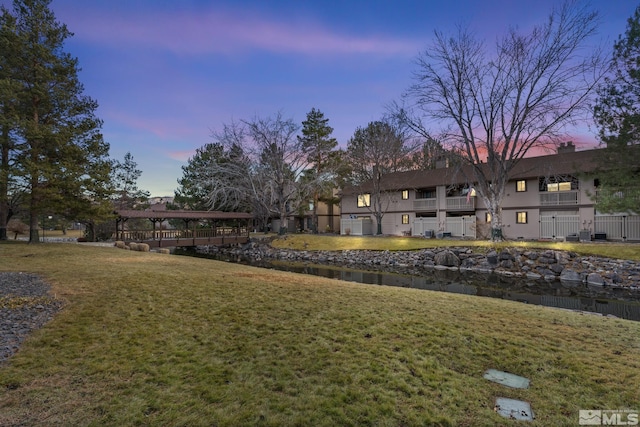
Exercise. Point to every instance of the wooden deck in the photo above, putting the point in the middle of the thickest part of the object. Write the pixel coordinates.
(171, 238)
(201, 228)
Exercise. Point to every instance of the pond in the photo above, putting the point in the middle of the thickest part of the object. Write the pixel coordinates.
(617, 302)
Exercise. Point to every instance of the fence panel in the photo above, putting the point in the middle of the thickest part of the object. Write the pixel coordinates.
(633, 227)
(356, 227)
(558, 226)
(461, 226)
(470, 227)
(420, 225)
(547, 230)
(455, 226)
(612, 225)
(618, 227)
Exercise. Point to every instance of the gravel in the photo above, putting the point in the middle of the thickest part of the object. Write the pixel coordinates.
(25, 305)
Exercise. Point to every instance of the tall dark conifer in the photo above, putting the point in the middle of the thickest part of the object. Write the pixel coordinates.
(617, 113)
(60, 155)
(316, 140)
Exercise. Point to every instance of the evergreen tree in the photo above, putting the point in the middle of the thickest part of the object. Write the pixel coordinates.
(8, 94)
(316, 140)
(617, 113)
(207, 181)
(59, 153)
(125, 181)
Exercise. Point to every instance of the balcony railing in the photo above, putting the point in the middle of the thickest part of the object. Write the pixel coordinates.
(424, 205)
(461, 203)
(559, 198)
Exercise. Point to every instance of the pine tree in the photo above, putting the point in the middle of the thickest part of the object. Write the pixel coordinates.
(8, 94)
(316, 140)
(617, 113)
(125, 181)
(60, 155)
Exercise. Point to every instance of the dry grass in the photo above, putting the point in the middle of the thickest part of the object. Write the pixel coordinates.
(147, 339)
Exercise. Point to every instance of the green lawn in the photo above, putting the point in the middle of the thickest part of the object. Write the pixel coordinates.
(150, 339)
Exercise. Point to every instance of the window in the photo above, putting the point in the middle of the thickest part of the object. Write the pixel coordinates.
(425, 193)
(405, 194)
(559, 186)
(521, 217)
(521, 186)
(559, 183)
(364, 200)
(487, 217)
(405, 219)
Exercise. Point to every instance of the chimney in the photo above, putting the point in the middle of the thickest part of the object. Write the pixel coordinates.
(566, 148)
(442, 162)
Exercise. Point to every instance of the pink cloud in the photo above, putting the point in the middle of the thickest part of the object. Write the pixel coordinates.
(220, 32)
(182, 156)
(161, 127)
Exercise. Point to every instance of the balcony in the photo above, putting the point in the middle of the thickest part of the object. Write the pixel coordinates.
(559, 198)
(461, 204)
(424, 205)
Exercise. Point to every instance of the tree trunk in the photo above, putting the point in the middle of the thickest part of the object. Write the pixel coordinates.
(314, 217)
(496, 222)
(34, 229)
(284, 222)
(4, 187)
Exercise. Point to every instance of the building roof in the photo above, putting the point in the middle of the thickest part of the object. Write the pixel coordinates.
(528, 167)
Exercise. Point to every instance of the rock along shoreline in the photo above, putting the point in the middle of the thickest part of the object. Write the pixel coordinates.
(571, 269)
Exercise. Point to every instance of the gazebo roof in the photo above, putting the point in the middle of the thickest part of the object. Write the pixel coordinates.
(181, 214)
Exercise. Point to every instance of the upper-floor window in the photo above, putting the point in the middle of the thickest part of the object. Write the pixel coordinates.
(487, 217)
(364, 200)
(559, 183)
(405, 194)
(426, 193)
(521, 186)
(559, 186)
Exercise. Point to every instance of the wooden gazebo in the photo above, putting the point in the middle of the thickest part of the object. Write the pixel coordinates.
(221, 227)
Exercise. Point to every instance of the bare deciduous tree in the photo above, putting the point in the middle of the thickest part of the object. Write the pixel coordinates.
(494, 109)
(269, 176)
(373, 152)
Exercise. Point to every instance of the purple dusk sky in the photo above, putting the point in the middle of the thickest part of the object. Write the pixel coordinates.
(166, 73)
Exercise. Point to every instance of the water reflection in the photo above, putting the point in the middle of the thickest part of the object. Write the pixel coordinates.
(617, 302)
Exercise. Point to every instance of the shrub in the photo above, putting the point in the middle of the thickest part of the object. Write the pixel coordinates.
(18, 227)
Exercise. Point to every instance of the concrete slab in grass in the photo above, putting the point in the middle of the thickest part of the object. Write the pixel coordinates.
(505, 378)
(514, 409)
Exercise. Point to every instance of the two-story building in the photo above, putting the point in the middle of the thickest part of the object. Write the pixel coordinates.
(548, 197)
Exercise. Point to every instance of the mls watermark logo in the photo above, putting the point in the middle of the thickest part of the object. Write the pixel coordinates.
(598, 417)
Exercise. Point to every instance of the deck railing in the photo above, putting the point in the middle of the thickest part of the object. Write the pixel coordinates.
(461, 203)
(145, 235)
(422, 205)
(559, 198)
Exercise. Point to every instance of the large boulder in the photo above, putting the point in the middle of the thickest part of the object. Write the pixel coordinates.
(447, 258)
(595, 279)
(571, 278)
